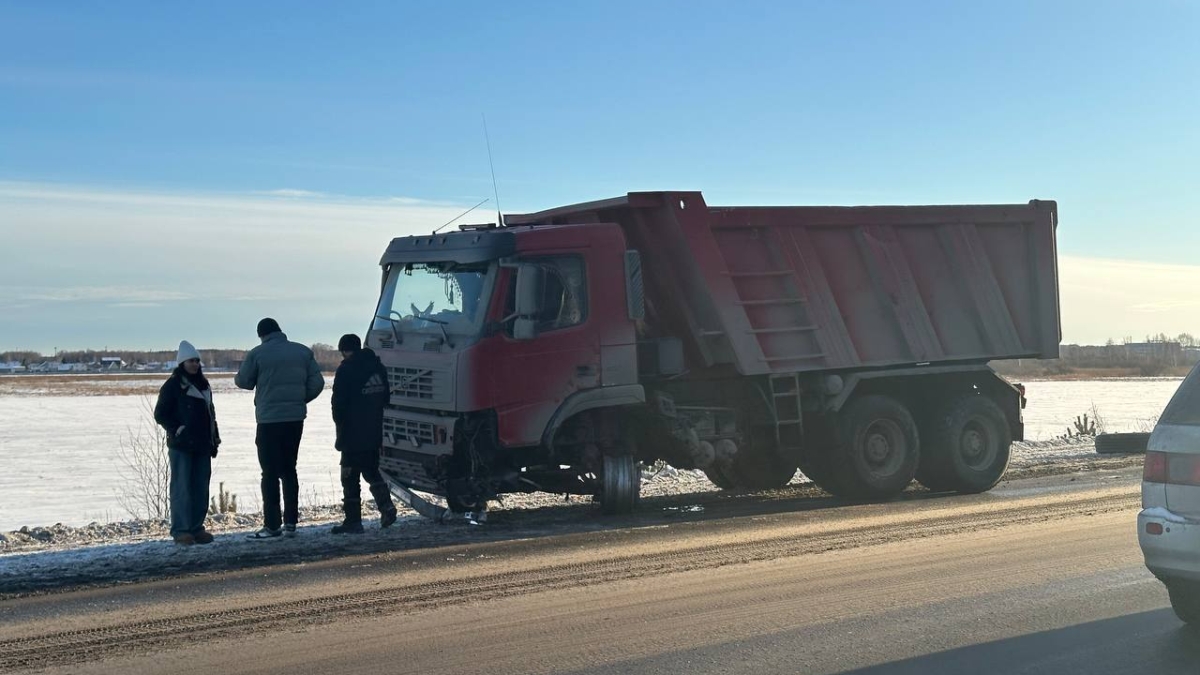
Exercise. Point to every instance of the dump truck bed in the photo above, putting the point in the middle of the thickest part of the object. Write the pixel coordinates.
(800, 289)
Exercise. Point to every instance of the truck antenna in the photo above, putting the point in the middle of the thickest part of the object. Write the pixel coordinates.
(461, 215)
(495, 190)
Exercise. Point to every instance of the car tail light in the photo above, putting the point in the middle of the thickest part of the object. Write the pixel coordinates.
(1154, 470)
(1154, 528)
(1171, 468)
(1021, 390)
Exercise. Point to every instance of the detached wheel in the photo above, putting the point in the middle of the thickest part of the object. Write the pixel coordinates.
(1185, 600)
(877, 450)
(966, 446)
(1128, 444)
(621, 485)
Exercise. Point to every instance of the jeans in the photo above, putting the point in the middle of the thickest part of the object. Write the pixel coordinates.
(190, 473)
(278, 447)
(352, 491)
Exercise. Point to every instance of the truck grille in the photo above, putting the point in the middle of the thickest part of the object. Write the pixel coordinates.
(400, 430)
(411, 470)
(420, 384)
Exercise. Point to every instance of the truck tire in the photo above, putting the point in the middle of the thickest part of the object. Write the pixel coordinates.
(621, 485)
(966, 446)
(876, 452)
(1129, 444)
(719, 476)
(1185, 600)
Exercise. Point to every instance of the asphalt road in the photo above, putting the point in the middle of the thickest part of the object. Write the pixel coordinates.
(1040, 576)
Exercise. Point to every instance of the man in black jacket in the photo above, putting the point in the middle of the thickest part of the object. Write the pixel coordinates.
(360, 393)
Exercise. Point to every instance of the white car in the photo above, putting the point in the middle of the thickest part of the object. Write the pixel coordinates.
(1169, 524)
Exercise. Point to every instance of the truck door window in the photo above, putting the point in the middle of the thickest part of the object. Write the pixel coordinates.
(564, 294)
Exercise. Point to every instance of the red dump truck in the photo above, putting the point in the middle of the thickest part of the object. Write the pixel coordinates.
(557, 351)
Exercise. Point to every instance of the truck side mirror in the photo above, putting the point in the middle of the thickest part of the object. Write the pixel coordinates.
(524, 329)
(530, 280)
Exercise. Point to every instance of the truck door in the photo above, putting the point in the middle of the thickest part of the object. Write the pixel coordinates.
(548, 356)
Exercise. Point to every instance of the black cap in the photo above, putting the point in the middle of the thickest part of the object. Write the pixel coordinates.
(349, 343)
(268, 326)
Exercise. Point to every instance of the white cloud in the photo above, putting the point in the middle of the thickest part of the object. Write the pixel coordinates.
(1112, 298)
(170, 253)
(290, 193)
(170, 258)
(30, 294)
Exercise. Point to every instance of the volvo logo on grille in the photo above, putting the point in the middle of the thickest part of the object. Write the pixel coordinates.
(404, 381)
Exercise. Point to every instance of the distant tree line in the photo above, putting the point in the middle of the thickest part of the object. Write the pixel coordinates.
(327, 357)
(1156, 355)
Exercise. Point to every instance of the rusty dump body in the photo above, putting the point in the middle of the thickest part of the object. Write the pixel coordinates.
(809, 288)
(560, 349)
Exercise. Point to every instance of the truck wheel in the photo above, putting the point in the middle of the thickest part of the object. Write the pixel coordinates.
(1185, 600)
(621, 486)
(966, 446)
(877, 450)
(719, 476)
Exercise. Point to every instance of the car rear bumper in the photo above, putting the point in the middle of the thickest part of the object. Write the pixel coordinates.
(1174, 554)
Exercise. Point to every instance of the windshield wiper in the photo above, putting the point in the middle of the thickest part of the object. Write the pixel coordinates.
(390, 320)
(440, 324)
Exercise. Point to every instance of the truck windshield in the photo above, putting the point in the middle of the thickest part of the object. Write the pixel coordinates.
(432, 298)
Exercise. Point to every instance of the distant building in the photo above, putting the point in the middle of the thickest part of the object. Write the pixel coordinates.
(11, 367)
(111, 363)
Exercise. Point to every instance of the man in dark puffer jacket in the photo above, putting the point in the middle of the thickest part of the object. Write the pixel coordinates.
(360, 393)
(285, 378)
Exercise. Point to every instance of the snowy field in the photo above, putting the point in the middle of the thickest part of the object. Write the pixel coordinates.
(60, 441)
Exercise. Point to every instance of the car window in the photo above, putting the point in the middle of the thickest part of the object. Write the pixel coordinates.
(1184, 407)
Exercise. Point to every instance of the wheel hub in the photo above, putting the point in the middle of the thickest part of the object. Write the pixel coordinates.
(878, 448)
(976, 446)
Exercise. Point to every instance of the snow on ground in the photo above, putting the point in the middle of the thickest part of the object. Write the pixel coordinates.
(59, 555)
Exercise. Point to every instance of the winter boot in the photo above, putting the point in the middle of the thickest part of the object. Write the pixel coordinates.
(383, 499)
(388, 517)
(203, 537)
(352, 523)
(348, 527)
(184, 539)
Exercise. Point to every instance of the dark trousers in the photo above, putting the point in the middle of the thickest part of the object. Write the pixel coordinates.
(352, 491)
(190, 473)
(278, 447)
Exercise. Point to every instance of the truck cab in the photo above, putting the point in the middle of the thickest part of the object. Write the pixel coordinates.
(492, 338)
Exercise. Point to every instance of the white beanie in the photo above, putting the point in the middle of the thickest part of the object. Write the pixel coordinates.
(186, 351)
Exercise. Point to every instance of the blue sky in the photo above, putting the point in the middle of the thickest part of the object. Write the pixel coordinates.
(128, 129)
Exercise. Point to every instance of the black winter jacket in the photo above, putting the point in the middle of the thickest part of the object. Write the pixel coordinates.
(360, 393)
(181, 403)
